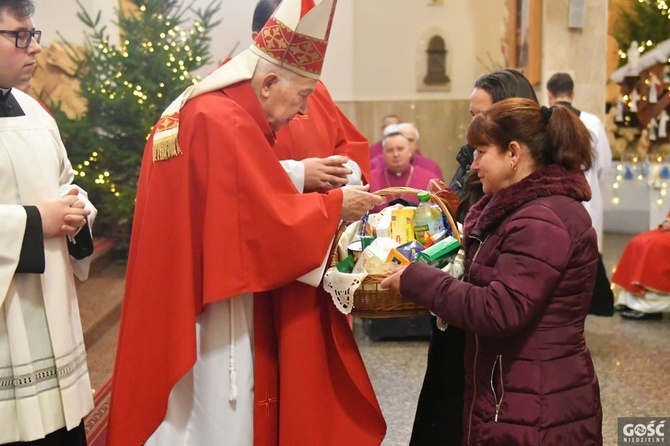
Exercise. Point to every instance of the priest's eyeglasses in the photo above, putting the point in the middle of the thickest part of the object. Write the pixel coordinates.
(23, 37)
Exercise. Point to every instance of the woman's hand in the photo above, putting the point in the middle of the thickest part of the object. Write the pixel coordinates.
(392, 282)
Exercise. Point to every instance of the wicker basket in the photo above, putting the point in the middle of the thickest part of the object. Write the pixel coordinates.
(372, 301)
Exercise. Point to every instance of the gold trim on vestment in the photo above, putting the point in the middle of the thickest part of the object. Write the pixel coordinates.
(166, 148)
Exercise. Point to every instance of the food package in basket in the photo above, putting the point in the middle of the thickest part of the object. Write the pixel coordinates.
(373, 248)
(342, 283)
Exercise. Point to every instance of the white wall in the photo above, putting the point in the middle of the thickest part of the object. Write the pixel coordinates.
(582, 52)
(387, 35)
(60, 16)
(232, 34)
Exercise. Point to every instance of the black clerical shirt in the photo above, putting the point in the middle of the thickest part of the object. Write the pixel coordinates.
(8, 105)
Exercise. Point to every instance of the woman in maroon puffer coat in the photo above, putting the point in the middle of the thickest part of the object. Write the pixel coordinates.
(531, 259)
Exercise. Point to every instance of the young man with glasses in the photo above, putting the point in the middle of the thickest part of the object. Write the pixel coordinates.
(45, 390)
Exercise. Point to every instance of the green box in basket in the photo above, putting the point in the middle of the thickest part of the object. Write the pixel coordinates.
(440, 253)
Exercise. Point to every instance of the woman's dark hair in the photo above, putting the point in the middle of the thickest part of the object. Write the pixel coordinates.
(500, 85)
(553, 135)
(20, 9)
(504, 84)
(470, 194)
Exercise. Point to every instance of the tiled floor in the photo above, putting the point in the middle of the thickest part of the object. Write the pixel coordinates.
(632, 358)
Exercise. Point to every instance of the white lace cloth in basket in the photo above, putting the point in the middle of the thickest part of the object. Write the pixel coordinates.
(341, 286)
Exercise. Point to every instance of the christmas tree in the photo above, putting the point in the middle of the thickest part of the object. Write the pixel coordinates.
(644, 21)
(126, 88)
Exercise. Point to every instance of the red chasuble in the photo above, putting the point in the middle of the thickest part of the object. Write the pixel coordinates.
(645, 263)
(318, 392)
(219, 220)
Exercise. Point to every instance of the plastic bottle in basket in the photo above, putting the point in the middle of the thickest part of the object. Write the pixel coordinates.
(427, 219)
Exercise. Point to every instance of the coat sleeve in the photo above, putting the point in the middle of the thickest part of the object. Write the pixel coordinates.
(533, 255)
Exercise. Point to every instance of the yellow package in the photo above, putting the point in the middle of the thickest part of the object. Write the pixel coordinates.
(401, 229)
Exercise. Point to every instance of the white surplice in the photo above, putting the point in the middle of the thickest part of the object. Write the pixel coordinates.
(596, 175)
(44, 383)
(200, 411)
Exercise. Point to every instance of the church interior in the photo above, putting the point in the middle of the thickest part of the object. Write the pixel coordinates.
(418, 59)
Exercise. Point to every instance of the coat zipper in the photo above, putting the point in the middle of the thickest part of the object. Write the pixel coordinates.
(474, 368)
(481, 243)
(498, 403)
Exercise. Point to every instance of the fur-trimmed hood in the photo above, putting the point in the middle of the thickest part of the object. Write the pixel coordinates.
(488, 212)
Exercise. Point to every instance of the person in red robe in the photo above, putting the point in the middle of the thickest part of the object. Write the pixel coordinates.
(643, 274)
(216, 220)
(333, 395)
(398, 170)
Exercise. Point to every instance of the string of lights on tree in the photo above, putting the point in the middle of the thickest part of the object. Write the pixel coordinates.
(644, 21)
(126, 86)
(119, 87)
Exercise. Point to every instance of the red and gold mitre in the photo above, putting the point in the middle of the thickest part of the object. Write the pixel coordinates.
(296, 38)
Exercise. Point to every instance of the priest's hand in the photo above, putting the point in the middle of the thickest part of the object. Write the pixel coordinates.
(665, 226)
(62, 216)
(356, 202)
(324, 174)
